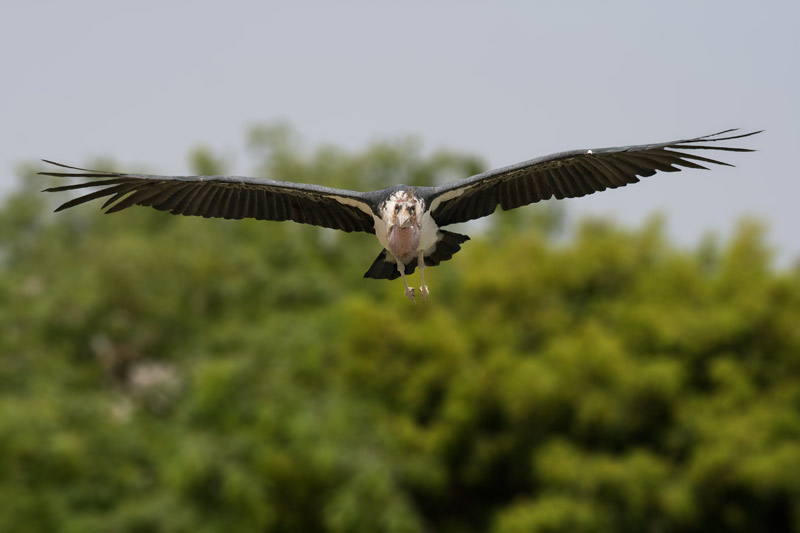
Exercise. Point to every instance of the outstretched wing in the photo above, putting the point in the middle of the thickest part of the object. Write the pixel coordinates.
(231, 197)
(568, 175)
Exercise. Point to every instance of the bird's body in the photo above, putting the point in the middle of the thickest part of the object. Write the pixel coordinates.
(406, 220)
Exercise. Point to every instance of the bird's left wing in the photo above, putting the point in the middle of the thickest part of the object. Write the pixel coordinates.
(231, 197)
(568, 175)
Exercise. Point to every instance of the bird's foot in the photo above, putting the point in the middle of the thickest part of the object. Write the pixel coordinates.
(410, 294)
(424, 291)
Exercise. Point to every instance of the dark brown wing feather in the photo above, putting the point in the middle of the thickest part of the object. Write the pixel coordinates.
(231, 197)
(568, 175)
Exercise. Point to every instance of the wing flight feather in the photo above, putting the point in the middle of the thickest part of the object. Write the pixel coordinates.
(231, 197)
(570, 175)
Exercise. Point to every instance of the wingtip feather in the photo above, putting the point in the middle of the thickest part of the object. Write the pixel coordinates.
(719, 135)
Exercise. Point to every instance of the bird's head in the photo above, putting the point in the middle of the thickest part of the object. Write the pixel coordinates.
(403, 210)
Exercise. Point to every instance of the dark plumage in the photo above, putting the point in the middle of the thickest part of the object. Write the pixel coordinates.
(402, 217)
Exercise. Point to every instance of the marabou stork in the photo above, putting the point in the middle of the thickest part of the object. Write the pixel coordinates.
(407, 220)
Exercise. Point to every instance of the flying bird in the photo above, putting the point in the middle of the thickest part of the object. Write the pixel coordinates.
(407, 220)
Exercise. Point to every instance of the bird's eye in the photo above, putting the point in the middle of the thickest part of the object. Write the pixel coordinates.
(397, 208)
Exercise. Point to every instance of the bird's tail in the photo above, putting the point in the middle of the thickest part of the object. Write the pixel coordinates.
(385, 266)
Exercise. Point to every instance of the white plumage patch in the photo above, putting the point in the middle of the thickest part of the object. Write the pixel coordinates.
(353, 203)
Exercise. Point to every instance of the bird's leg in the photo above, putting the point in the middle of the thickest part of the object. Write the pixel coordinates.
(409, 291)
(424, 288)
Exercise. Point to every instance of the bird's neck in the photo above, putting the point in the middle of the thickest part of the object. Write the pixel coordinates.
(404, 242)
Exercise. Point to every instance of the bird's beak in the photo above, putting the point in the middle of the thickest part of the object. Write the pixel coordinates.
(404, 220)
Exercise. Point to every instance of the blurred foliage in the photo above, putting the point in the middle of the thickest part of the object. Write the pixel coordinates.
(165, 374)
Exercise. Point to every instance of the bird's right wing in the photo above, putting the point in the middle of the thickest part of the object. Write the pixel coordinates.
(231, 197)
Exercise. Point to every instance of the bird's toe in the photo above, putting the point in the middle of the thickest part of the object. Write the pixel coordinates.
(425, 292)
(410, 294)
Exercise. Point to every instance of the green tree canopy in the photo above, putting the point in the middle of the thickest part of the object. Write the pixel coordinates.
(165, 374)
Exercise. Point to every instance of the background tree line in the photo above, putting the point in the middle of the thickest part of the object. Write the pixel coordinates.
(165, 374)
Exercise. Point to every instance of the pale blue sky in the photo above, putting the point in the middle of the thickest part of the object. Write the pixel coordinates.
(144, 82)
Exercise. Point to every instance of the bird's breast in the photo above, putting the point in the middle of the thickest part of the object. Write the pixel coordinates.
(404, 242)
